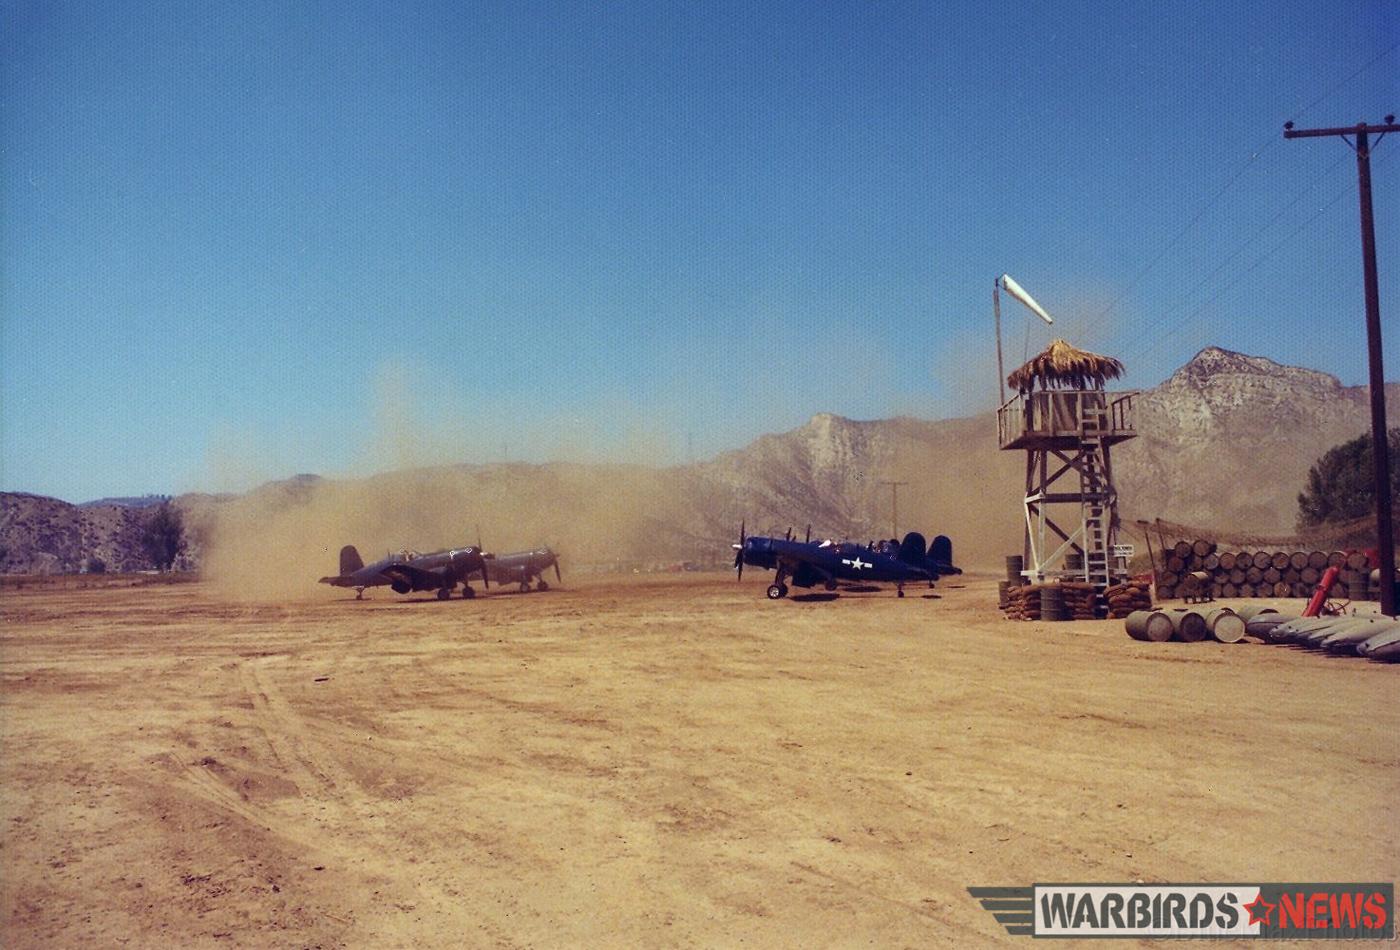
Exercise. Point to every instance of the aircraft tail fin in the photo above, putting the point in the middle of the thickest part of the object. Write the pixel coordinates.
(911, 549)
(350, 560)
(940, 552)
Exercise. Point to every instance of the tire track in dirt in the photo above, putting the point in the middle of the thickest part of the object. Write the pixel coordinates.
(350, 831)
(317, 775)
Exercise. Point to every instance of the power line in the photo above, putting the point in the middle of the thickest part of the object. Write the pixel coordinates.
(1157, 343)
(1259, 232)
(1098, 318)
(1176, 239)
(1342, 82)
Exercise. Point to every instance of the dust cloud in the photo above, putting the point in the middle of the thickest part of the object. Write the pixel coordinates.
(275, 542)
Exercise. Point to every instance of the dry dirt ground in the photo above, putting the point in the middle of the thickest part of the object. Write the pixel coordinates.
(651, 761)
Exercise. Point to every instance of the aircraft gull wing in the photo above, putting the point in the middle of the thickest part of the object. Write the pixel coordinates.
(416, 577)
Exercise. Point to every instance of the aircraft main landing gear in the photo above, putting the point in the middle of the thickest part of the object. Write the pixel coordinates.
(830, 585)
(777, 591)
(524, 587)
(541, 584)
(468, 592)
(444, 593)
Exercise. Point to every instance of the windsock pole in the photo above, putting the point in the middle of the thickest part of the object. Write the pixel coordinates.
(996, 310)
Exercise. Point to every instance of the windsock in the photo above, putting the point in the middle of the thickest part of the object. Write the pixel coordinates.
(1017, 291)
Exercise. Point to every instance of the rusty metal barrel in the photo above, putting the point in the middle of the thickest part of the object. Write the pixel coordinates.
(1188, 626)
(1225, 625)
(1358, 561)
(1148, 625)
(1249, 611)
(1227, 560)
(1052, 603)
(1015, 564)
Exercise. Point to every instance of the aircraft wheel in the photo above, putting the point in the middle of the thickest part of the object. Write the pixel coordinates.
(777, 591)
(901, 593)
(830, 585)
(444, 593)
(542, 585)
(468, 593)
(524, 587)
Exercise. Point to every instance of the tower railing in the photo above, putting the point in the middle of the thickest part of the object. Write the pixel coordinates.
(1028, 420)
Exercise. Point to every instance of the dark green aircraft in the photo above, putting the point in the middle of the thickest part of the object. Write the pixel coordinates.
(524, 566)
(409, 571)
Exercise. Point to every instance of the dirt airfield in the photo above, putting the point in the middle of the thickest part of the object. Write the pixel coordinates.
(654, 760)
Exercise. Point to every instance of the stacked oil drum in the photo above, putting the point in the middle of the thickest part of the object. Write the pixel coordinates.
(1186, 625)
(1375, 637)
(1200, 571)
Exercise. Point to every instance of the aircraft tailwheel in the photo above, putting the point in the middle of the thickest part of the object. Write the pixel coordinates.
(542, 585)
(777, 591)
(468, 593)
(901, 593)
(444, 593)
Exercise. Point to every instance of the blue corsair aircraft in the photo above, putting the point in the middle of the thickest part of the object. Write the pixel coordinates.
(809, 562)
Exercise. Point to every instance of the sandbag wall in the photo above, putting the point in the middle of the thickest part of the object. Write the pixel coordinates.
(1066, 599)
(1248, 573)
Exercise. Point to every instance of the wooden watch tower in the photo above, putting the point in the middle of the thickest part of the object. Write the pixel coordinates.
(1067, 424)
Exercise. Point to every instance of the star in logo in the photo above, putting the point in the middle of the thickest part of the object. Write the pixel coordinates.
(1259, 911)
(857, 564)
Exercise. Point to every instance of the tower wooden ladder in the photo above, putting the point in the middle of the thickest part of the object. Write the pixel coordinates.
(1093, 493)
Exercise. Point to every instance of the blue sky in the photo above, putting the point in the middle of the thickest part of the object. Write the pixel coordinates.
(240, 241)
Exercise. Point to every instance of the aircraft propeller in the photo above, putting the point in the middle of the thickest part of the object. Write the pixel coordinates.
(739, 553)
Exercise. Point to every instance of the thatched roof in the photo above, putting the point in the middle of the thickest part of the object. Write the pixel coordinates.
(1062, 366)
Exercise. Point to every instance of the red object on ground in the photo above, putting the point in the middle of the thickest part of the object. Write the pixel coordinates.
(1324, 587)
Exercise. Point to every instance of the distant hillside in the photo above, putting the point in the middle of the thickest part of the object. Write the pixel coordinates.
(40, 535)
(141, 501)
(1229, 438)
(1225, 442)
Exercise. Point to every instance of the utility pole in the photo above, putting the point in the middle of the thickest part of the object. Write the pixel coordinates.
(1380, 444)
(894, 507)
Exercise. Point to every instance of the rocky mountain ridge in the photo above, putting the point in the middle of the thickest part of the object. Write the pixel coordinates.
(1225, 442)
